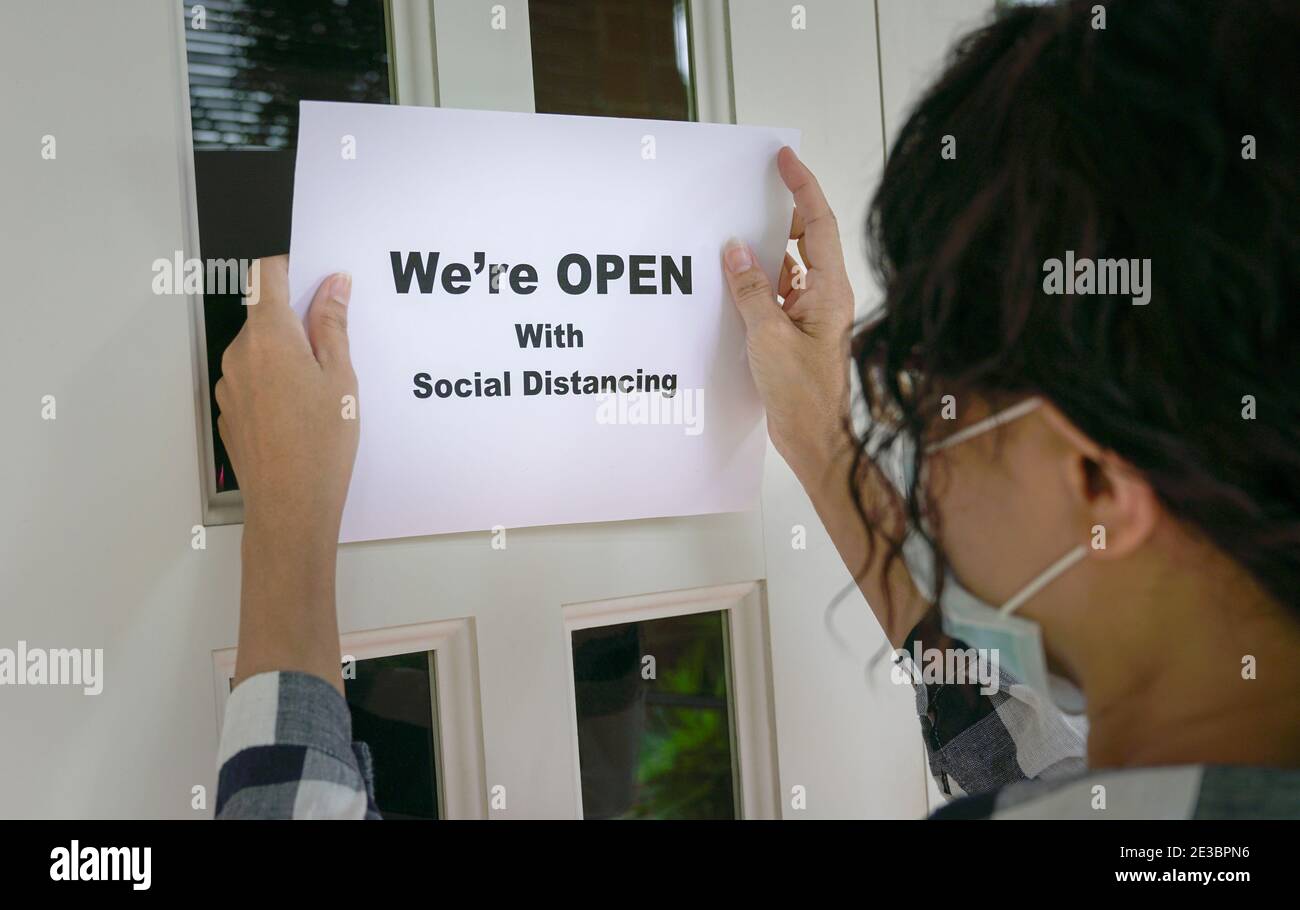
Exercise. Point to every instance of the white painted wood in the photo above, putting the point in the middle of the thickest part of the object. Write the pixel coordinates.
(915, 37)
(482, 65)
(711, 61)
(96, 550)
(753, 705)
(410, 30)
(850, 738)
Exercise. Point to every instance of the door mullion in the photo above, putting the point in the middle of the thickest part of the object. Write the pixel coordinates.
(411, 43)
(484, 54)
(711, 62)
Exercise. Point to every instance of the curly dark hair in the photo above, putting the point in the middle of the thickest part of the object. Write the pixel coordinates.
(1124, 142)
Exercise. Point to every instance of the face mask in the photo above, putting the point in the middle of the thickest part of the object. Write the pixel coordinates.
(1017, 641)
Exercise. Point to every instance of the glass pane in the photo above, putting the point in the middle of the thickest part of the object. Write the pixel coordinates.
(654, 719)
(392, 713)
(249, 64)
(625, 59)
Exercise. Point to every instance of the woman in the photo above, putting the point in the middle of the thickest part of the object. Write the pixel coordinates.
(1080, 443)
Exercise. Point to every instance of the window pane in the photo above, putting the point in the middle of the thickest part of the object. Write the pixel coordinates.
(624, 59)
(658, 747)
(392, 712)
(249, 65)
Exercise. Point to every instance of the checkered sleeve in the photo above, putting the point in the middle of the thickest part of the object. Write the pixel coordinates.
(978, 743)
(286, 752)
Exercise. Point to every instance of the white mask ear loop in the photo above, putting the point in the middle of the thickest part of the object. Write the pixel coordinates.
(1014, 412)
(1043, 580)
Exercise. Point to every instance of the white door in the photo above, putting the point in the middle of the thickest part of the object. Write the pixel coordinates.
(521, 688)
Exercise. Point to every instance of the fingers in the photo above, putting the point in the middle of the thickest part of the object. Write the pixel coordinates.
(791, 271)
(797, 229)
(807, 192)
(814, 223)
(228, 440)
(750, 289)
(267, 289)
(219, 392)
(792, 283)
(327, 321)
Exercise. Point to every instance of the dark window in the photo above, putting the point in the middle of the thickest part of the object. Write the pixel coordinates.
(392, 712)
(624, 59)
(249, 66)
(657, 747)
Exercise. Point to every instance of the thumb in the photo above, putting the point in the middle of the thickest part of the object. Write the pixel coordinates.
(750, 289)
(327, 320)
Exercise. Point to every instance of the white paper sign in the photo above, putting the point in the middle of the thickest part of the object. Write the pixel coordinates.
(475, 239)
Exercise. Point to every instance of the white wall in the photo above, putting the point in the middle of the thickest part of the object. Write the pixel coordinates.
(96, 549)
(915, 36)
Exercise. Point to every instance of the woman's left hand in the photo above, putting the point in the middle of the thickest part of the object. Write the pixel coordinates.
(288, 407)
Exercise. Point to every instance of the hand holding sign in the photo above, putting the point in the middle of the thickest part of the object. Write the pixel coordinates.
(798, 351)
(287, 397)
(280, 399)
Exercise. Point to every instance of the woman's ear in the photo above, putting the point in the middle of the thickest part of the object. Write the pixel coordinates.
(1120, 507)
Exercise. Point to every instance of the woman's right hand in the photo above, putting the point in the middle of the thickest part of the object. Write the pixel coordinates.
(799, 355)
(798, 349)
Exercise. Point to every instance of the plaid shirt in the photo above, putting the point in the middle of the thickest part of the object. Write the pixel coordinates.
(287, 752)
(1021, 758)
(978, 743)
